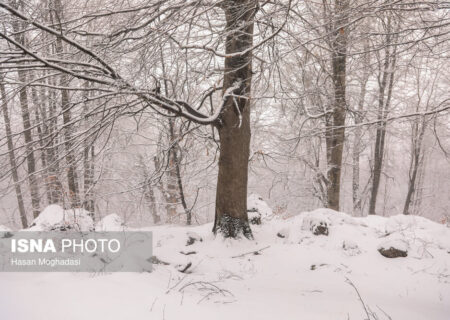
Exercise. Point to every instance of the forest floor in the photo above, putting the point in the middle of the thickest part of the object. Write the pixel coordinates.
(287, 272)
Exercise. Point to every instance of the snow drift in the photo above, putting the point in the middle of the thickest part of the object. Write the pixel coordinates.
(288, 272)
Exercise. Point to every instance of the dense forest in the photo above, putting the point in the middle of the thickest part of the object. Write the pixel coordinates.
(224, 159)
(176, 111)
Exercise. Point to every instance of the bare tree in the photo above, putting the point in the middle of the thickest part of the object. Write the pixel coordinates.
(385, 86)
(336, 121)
(72, 176)
(12, 158)
(23, 97)
(357, 143)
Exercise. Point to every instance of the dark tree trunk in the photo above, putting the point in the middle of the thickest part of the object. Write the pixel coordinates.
(387, 80)
(416, 160)
(175, 147)
(23, 98)
(149, 194)
(88, 163)
(48, 112)
(172, 187)
(88, 179)
(151, 201)
(336, 125)
(12, 158)
(231, 217)
(31, 163)
(40, 126)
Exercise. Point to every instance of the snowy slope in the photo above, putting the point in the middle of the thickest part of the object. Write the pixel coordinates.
(300, 276)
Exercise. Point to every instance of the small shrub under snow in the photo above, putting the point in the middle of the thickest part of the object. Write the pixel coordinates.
(350, 248)
(54, 217)
(193, 238)
(257, 209)
(317, 223)
(111, 222)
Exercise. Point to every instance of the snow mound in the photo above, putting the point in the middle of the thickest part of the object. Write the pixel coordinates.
(317, 223)
(396, 244)
(284, 273)
(257, 209)
(193, 238)
(420, 234)
(3, 228)
(332, 217)
(54, 217)
(350, 248)
(111, 222)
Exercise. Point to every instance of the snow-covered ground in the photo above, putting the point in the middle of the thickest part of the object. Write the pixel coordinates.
(293, 275)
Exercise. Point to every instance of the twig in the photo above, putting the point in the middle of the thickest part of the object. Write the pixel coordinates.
(188, 253)
(255, 252)
(359, 296)
(186, 267)
(384, 312)
(153, 304)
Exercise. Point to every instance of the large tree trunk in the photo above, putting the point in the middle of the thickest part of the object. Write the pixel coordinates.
(231, 198)
(12, 157)
(336, 125)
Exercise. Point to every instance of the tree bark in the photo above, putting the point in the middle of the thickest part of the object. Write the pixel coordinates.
(12, 158)
(416, 160)
(88, 163)
(357, 146)
(172, 190)
(175, 147)
(51, 149)
(336, 125)
(174, 181)
(231, 219)
(163, 190)
(383, 108)
(88, 179)
(149, 194)
(151, 201)
(23, 98)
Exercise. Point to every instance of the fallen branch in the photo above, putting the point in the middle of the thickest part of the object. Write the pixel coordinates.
(188, 253)
(186, 268)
